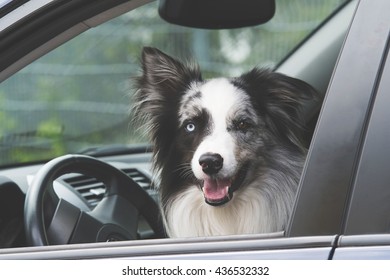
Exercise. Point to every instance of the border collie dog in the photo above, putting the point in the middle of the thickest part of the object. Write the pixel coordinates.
(228, 152)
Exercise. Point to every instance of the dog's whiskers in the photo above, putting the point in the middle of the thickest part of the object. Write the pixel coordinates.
(185, 171)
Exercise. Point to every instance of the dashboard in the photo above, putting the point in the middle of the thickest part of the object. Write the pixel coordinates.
(82, 191)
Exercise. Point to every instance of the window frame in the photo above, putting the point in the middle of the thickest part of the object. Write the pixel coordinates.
(369, 207)
(331, 166)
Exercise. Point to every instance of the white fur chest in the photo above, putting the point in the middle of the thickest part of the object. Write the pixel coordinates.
(187, 215)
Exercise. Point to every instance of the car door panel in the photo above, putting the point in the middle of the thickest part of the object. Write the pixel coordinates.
(229, 247)
(369, 209)
(331, 164)
(363, 247)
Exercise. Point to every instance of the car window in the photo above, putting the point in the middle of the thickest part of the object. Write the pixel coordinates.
(77, 96)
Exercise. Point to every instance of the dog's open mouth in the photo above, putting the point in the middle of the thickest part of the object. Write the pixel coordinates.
(218, 192)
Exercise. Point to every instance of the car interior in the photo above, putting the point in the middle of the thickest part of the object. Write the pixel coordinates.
(312, 60)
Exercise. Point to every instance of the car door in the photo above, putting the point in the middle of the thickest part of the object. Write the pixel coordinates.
(332, 174)
(347, 170)
(366, 227)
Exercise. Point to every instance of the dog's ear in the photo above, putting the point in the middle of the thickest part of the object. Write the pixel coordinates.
(280, 99)
(162, 83)
(157, 96)
(165, 74)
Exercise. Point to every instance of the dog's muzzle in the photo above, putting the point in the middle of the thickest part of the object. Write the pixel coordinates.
(219, 191)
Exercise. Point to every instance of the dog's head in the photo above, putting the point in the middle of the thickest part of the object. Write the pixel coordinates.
(210, 133)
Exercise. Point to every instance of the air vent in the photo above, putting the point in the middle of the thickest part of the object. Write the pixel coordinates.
(139, 178)
(89, 188)
(93, 190)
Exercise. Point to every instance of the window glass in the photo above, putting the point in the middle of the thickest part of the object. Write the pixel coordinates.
(77, 96)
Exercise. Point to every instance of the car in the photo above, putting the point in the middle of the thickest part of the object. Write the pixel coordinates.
(65, 129)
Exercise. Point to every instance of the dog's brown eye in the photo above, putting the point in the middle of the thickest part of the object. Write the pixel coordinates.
(242, 125)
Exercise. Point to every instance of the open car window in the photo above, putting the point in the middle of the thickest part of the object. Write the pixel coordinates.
(76, 98)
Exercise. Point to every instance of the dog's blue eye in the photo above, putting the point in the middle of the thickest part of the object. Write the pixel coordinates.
(190, 127)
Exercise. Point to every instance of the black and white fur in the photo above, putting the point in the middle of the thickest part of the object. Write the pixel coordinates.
(228, 152)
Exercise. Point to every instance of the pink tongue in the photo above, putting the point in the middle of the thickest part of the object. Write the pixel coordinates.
(215, 190)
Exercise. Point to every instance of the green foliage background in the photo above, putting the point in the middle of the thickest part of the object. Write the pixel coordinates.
(78, 95)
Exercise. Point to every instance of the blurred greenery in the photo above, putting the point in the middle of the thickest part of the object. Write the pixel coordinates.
(78, 95)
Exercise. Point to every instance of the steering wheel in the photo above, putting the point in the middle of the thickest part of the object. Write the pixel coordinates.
(50, 219)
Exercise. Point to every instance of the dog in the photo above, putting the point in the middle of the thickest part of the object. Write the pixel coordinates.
(228, 152)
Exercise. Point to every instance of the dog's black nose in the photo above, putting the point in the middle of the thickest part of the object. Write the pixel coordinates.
(211, 163)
